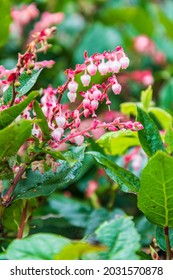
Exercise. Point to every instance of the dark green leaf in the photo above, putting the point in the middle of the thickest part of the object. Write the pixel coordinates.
(149, 136)
(36, 247)
(43, 124)
(155, 198)
(127, 181)
(5, 170)
(120, 237)
(160, 238)
(37, 184)
(13, 136)
(26, 83)
(7, 116)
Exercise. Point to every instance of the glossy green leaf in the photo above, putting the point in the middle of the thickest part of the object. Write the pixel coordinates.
(13, 136)
(120, 237)
(160, 238)
(155, 198)
(43, 124)
(36, 247)
(116, 143)
(26, 83)
(5, 20)
(164, 118)
(74, 211)
(169, 140)
(149, 136)
(146, 98)
(7, 116)
(37, 184)
(127, 181)
(76, 250)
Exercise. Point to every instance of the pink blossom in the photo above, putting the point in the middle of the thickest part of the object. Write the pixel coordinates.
(85, 79)
(92, 69)
(143, 44)
(116, 88)
(73, 86)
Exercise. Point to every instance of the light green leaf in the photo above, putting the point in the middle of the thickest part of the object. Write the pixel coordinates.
(169, 140)
(166, 95)
(149, 136)
(146, 97)
(43, 124)
(36, 247)
(164, 118)
(155, 198)
(13, 136)
(160, 238)
(5, 20)
(129, 108)
(127, 181)
(76, 250)
(116, 143)
(26, 83)
(7, 116)
(120, 237)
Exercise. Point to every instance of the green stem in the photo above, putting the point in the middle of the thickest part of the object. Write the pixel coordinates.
(168, 246)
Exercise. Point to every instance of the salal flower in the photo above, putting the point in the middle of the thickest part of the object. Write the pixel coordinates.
(73, 86)
(92, 69)
(97, 94)
(71, 96)
(124, 61)
(86, 103)
(79, 140)
(85, 79)
(116, 88)
(103, 68)
(60, 121)
(57, 133)
(94, 105)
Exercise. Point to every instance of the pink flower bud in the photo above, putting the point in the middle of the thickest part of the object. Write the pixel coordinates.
(85, 79)
(92, 69)
(73, 86)
(103, 68)
(97, 94)
(57, 134)
(86, 113)
(77, 122)
(60, 121)
(94, 105)
(124, 61)
(71, 96)
(79, 140)
(116, 88)
(116, 66)
(86, 103)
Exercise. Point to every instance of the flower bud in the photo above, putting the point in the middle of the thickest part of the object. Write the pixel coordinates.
(79, 140)
(71, 96)
(85, 79)
(86, 103)
(103, 68)
(73, 86)
(97, 94)
(94, 105)
(86, 113)
(116, 88)
(60, 121)
(124, 61)
(92, 69)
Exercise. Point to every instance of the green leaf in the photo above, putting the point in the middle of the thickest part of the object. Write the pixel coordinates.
(120, 237)
(169, 140)
(74, 211)
(43, 124)
(166, 22)
(36, 247)
(116, 143)
(13, 136)
(164, 118)
(149, 136)
(76, 250)
(146, 98)
(37, 184)
(26, 83)
(166, 95)
(7, 116)
(155, 198)
(5, 20)
(128, 108)
(160, 238)
(127, 181)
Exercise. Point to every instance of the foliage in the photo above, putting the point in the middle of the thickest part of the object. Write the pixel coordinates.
(86, 138)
